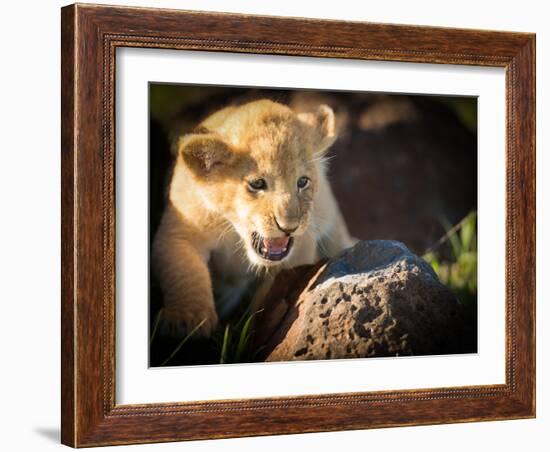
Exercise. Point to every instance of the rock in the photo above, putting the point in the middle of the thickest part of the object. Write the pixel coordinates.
(373, 300)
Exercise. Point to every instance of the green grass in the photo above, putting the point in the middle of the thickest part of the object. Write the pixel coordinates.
(236, 343)
(182, 343)
(454, 258)
(233, 341)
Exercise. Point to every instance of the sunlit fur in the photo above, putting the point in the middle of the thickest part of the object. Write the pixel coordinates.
(212, 211)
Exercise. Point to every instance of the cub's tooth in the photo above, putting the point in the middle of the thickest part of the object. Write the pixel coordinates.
(264, 250)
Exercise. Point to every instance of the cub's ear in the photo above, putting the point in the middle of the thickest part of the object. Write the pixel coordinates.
(204, 153)
(322, 126)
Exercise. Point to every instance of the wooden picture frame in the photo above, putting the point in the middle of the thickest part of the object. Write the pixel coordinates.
(90, 36)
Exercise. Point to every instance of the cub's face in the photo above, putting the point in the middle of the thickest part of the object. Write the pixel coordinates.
(258, 166)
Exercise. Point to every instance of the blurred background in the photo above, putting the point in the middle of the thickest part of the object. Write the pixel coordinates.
(403, 168)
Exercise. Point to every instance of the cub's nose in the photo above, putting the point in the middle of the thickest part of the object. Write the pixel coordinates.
(286, 227)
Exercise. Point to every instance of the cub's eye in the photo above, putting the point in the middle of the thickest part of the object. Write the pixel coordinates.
(257, 184)
(303, 182)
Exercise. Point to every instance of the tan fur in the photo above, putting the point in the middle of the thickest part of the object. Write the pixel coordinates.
(205, 231)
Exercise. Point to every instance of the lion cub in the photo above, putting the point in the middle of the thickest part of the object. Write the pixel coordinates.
(248, 191)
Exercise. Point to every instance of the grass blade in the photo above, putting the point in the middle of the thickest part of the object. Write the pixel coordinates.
(184, 340)
(467, 233)
(155, 327)
(243, 316)
(244, 336)
(452, 236)
(225, 345)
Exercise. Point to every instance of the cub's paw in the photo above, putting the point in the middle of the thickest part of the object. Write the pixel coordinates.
(180, 321)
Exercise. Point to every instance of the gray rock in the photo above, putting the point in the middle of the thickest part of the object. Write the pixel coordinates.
(375, 299)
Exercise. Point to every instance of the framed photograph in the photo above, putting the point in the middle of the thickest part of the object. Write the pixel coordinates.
(282, 225)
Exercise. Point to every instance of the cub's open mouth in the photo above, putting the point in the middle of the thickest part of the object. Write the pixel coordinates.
(274, 249)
